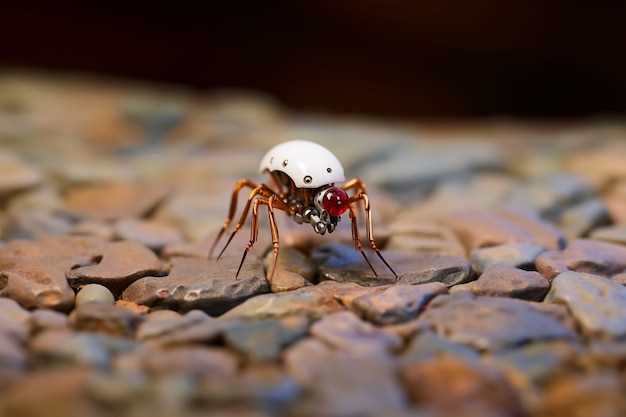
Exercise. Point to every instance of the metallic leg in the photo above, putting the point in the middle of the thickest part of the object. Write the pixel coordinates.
(275, 238)
(254, 230)
(261, 190)
(239, 185)
(357, 240)
(370, 229)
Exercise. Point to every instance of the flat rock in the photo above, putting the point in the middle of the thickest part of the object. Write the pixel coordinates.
(167, 328)
(342, 263)
(104, 318)
(345, 331)
(120, 264)
(492, 323)
(580, 219)
(598, 304)
(152, 234)
(582, 255)
(314, 301)
(293, 270)
(506, 281)
(195, 361)
(263, 340)
(443, 384)
(342, 383)
(428, 346)
(114, 201)
(397, 303)
(16, 175)
(196, 283)
(42, 319)
(519, 255)
(612, 234)
(408, 235)
(479, 229)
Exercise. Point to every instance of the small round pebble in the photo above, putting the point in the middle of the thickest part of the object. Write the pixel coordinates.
(94, 293)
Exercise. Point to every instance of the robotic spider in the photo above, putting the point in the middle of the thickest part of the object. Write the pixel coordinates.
(304, 175)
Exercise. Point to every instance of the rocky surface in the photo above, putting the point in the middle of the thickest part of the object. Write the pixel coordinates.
(509, 241)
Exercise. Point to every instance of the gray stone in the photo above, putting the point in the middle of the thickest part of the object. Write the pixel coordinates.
(152, 234)
(582, 255)
(598, 304)
(407, 235)
(506, 281)
(167, 328)
(294, 270)
(189, 360)
(104, 318)
(492, 323)
(47, 320)
(263, 340)
(345, 331)
(612, 234)
(342, 263)
(520, 255)
(397, 303)
(579, 220)
(196, 283)
(427, 346)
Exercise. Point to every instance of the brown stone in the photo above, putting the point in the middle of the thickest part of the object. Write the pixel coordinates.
(453, 387)
(506, 281)
(114, 200)
(408, 235)
(167, 328)
(152, 234)
(201, 283)
(104, 318)
(582, 255)
(190, 360)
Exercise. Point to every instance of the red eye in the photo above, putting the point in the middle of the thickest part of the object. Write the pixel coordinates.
(335, 201)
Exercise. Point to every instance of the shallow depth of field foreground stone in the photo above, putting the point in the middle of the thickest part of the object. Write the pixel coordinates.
(509, 241)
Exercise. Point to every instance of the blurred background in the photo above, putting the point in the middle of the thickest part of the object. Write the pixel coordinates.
(427, 58)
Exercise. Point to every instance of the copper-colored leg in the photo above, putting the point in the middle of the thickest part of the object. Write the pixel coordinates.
(254, 230)
(275, 237)
(261, 190)
(357, 240)
(370, 229)
(239, 185)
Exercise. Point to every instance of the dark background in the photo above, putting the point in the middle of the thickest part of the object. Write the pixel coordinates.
(417, 58)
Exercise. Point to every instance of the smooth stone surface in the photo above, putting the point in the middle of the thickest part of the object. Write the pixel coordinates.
(195, 361)
(598, 304)
(293, 270)
(344, 384)
(114, 201)
(492, 323)
(519, 255)
(580, 219)
(104, 318)
(152, 234)
(506, 281)
(582, 255)
(612, 234)
(120, 264)
(341, 263)
(397, 303)
(345, 331)
(94, 293)
(263, 340)
(195, 283)
(427, 346)
(444, 384)
(167, 328)
(407, 235)
(47, 320)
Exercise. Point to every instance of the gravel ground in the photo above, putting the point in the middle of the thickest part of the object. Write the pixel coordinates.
(509, 240)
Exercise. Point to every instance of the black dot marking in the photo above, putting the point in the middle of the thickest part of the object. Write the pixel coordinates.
(272, 160)
(308, 179)
(285, 163)
(329, 170)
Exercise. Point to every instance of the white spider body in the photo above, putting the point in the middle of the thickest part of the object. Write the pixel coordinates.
(308, 164)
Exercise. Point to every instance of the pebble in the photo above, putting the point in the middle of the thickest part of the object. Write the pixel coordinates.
(341, 263)
(492, 323)
(397, 303)
(196, 283)
(583, 255)
(94, 293)
(153, 235)
(519, 255)
(506, 281)
(598, 304)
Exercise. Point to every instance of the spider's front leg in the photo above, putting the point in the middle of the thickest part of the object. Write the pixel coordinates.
(357, 240)
(362, 197)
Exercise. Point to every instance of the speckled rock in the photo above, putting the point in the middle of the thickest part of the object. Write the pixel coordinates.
(582, 255)
(345, 331)
(263, 340)
(598, 304)
(201, 283)
(397, 303)
(506, 281)
(492, 323)
(519, 255)
(342, 263)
